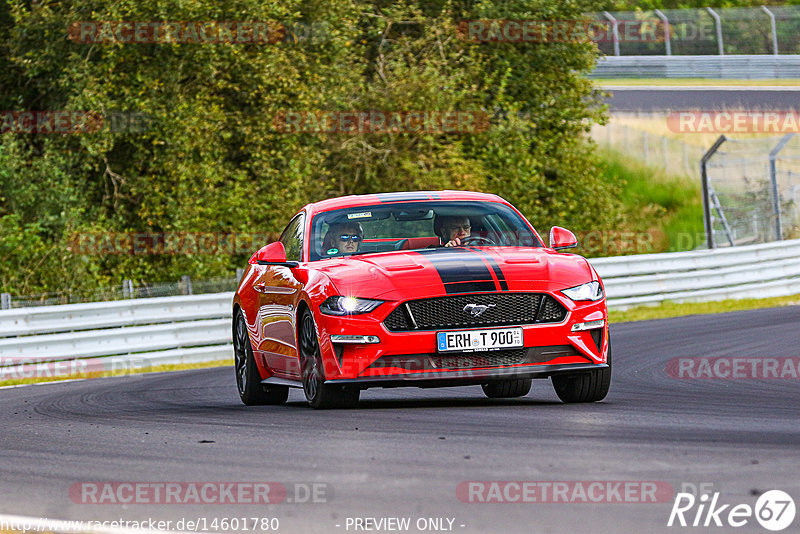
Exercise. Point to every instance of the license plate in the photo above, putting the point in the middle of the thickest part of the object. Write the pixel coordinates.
(479, 340)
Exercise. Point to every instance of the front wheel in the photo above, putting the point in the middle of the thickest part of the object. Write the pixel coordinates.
(505, 389)
(248, 380)
(319, 394)
(588, 386)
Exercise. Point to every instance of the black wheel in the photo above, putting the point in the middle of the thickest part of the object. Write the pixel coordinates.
(507, 388)
(248, 381)
(319, 394)
(589, 386)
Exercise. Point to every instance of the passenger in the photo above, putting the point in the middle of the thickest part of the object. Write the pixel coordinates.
(342, 238)
(452, 229)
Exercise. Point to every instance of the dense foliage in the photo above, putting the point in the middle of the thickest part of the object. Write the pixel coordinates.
(210, 158)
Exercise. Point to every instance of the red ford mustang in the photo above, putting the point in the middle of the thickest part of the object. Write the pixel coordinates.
(423, 289)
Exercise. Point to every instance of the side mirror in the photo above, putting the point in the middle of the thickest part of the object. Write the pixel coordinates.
(272, 254)
(562, 238)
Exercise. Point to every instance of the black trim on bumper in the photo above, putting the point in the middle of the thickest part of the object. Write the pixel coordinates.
(465, 377)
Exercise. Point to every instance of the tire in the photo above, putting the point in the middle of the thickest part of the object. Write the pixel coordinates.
(320, 396)
(248, 380)
(503, 389)
(590, 386)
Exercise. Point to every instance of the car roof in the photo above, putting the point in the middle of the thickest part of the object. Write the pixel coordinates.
(380, 198)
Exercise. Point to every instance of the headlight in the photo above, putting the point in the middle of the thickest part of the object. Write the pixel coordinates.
(588, 291)
(348, 305)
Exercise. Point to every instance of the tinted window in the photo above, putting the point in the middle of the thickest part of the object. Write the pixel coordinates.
(292, 239)
(415, 225)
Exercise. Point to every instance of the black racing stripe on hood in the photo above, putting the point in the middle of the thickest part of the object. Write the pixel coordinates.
(498, 272)
(461, 270)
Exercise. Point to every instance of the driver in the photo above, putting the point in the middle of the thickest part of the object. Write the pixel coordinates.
(452, 229)
(342, 238)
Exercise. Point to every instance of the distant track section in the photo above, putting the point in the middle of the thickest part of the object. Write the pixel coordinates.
(674, 98)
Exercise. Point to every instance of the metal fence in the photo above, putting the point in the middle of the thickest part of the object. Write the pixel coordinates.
(751, 185)
(704, 31)
(752, 190)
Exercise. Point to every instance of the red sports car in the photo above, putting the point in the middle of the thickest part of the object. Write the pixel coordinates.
(424, 289)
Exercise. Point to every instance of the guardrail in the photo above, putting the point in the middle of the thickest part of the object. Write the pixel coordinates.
(754, 271)
(735, 67)
(118, 335)
(197, 328)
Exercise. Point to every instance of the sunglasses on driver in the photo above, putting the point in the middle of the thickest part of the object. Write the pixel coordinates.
(355, 238)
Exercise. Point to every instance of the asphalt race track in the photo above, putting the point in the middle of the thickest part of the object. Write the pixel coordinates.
(404, 452)
(657, 99)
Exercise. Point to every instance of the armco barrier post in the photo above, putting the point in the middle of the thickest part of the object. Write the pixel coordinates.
(5, 301)
(718, 24)
(773, 29)
(776, 201)
(127, 289)
(667, 41)
(706, 200)
(614, 31)
(186, 282)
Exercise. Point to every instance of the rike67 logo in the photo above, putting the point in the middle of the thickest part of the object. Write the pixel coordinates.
(774, 510)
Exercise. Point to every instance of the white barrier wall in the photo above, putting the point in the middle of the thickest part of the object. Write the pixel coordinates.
(755, 271)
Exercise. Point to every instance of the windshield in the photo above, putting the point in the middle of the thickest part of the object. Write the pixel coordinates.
(417, 225)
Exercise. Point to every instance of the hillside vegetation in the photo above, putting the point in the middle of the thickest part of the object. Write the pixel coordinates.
(207, 153)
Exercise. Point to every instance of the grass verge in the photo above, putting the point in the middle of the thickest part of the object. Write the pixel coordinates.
(142, 370)
(664, 210)
(679, 309)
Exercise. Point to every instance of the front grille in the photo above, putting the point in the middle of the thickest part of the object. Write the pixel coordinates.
(448, 312)
(466, 360)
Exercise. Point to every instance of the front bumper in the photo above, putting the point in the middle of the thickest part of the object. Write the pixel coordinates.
(348, 363)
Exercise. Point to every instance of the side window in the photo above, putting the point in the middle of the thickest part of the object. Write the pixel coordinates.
(292, 239)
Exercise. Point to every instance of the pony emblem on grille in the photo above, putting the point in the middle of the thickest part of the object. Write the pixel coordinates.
(476, 310)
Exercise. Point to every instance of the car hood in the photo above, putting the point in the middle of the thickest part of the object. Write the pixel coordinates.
(403, 275)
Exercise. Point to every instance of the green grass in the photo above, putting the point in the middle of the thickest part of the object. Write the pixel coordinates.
(667, 207)
(694, 81)
(679, 309)
(143, 370)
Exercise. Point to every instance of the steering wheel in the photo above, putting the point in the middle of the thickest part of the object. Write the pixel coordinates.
(477, 240)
